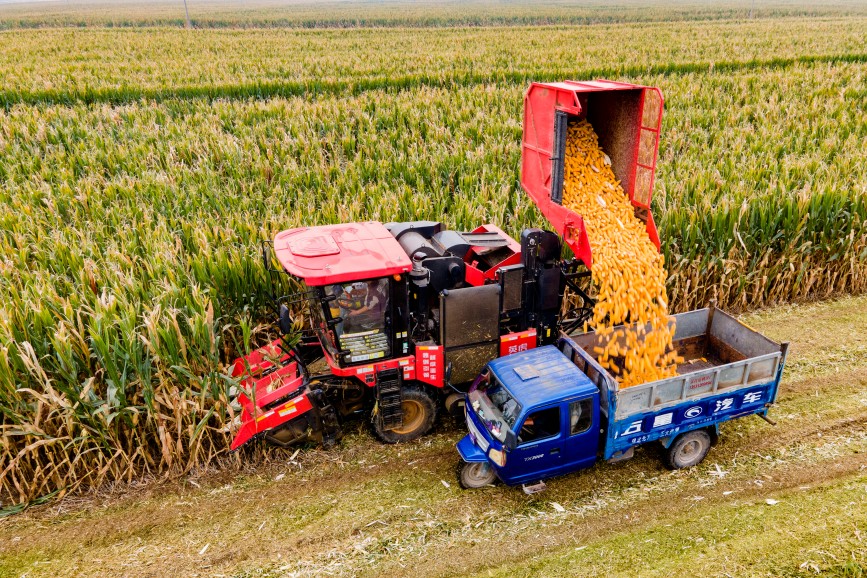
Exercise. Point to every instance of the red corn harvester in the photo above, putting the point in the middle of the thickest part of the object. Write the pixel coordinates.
(405, 315)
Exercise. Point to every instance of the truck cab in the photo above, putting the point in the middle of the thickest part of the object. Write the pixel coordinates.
(530, 416)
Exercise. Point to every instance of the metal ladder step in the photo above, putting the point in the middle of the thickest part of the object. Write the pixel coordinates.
(531, 489)
(388, 396)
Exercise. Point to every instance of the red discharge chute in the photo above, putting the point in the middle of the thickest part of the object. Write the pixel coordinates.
(627, 119)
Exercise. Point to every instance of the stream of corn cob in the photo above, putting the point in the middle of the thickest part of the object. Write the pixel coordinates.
(627, 269)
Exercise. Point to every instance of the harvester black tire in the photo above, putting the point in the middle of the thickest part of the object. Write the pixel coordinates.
(419, 413)
(688, 449)
(454, 405)
(474, 475)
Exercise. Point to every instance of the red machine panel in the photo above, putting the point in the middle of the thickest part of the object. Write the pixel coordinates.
(256, 421)
(429, 364)
(627, 119)
(515, 342)
(367, 373)
(479, 268)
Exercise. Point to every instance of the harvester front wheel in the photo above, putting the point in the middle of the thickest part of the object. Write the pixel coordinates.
(419, 413)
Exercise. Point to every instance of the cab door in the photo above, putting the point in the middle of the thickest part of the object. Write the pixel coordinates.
(539, 451)
(581, 433)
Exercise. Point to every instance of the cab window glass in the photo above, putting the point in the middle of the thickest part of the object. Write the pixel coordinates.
(362, 308)
(320, 326)
(580, 416)
(539, 425)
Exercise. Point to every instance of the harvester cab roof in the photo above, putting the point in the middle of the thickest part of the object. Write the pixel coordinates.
(339, 253)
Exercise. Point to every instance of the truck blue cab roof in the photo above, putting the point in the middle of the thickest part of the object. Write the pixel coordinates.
(541, 376)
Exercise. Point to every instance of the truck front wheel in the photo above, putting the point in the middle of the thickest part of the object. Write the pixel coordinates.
(687, 450)
(419, 412)
(473, 475)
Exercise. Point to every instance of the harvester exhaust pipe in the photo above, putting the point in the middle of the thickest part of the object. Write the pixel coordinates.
(767, 419)
(420, 279)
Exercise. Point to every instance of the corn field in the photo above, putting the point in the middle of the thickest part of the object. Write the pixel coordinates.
(140, 168)
(405, 13)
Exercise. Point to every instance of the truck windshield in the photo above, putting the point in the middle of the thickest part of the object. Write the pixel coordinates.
(495, 406)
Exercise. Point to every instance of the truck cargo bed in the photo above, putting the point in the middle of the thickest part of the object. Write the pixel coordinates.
(700, 343)
(729, 370)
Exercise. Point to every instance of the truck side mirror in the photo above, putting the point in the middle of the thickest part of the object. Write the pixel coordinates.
(286, 324)
(511, 440)
(448, 374)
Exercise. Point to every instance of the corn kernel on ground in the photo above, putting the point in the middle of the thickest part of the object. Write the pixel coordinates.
(627, 269)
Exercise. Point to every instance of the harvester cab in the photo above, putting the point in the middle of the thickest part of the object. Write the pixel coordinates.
(404, 315)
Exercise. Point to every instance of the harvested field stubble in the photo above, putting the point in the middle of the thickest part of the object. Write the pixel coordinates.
(129, 225)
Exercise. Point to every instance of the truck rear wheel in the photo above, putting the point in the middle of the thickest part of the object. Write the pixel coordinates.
(473, 475)
(687, 450)
(419, 412)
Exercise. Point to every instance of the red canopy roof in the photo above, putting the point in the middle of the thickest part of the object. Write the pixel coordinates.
(339, 253)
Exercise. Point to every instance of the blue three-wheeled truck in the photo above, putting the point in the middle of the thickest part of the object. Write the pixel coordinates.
(554, 410)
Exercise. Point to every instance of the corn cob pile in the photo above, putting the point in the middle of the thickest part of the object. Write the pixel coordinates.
(627, 269)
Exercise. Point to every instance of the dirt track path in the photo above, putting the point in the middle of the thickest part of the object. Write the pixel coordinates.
(367, 509)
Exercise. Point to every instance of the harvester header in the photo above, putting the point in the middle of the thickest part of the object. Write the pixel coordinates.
(627, 118)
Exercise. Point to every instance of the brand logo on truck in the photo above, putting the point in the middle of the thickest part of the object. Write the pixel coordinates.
(536, 457)
(634, 428)
(694, 411)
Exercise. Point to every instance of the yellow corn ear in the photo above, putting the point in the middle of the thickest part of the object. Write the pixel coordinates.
(628, 271)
